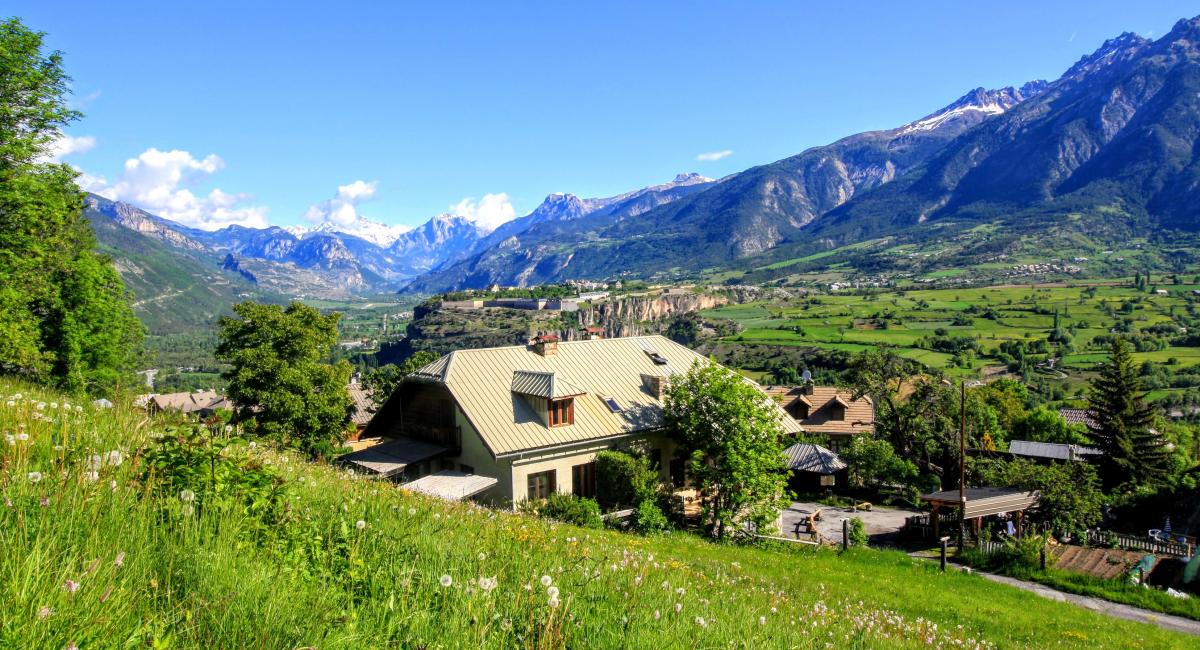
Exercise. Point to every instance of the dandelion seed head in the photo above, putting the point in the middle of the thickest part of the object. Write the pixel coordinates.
(360, 524)
(34, 477)
(446, 581)
(547, 581)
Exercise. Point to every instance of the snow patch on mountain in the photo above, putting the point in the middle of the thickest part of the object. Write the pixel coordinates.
(380, 234)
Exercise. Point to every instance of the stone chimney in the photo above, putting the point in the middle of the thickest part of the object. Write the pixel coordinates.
(656, 385)
(546, 345)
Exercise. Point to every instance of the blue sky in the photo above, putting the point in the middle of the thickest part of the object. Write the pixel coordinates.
(215, 112)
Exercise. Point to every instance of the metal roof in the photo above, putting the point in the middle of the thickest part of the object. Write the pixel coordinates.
(390, 458)
(985, 501)
(543, 384)
(1053, 450)
(451, 485)
(481, 382)
(806, 457)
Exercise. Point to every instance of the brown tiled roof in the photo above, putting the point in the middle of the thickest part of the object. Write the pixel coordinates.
(860, 410)
(364, 408)
(1075, 416)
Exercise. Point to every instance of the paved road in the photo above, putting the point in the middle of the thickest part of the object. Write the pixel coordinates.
(1116, 610)
(880, 521)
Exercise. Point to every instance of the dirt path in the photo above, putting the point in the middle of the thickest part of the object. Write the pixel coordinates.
(1099, 605)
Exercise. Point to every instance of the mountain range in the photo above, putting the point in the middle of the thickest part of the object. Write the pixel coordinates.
(1109, 148)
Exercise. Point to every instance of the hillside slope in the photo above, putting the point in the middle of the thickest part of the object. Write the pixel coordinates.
(176, 287)
(97, 554)
(1112, 149)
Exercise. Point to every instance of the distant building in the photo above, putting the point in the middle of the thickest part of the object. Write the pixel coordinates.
(364, 409)
(202, 404)
(1076, 416)
(1050, 450)
(592, 332)
(827, 410)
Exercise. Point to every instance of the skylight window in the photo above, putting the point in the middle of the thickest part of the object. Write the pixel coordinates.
(657, 358)
(612, 404)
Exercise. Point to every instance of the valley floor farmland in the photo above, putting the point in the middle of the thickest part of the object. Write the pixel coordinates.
(98, 554)
(930, 325)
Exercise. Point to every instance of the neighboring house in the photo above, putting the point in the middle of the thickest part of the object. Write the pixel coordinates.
(827, 410)
(1076, 416)
(202, 404)
(814, 467)
(1050, 450)
(364, 409)
(521, 422)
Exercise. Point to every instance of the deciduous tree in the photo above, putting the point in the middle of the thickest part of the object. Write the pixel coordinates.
(279, 380)
(733, 434)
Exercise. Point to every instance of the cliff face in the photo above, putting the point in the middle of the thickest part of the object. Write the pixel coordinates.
(637, 315)
(445, 330)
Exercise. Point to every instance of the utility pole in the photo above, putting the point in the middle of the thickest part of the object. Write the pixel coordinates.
(962, 462)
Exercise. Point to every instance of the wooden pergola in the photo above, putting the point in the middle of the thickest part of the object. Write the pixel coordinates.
(980, 502)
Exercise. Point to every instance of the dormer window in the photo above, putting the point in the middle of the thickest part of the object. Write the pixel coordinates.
(561, 412)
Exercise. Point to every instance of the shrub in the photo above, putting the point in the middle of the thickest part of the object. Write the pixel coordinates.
(623, 480)
(205, 471)
(858, 532)
(567, 508)
(650, 519)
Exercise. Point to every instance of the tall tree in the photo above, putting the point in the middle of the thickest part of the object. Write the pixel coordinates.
(733, 434)
(279, 380)
(64, 313)
(1134, 454)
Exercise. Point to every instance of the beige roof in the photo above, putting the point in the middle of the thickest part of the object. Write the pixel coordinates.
(189, 402)
(390, 458)
(481, 382)
(860, 410)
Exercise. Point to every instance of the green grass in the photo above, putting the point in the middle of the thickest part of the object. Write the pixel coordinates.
(841, 321)
(314, 578)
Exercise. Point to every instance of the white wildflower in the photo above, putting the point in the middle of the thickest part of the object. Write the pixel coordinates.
(34, 477)
(446, 581)
(187, 496)
(360, 524)
(546, 581)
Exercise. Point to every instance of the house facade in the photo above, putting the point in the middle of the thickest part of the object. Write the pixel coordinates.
(513, 423)
(827, 410)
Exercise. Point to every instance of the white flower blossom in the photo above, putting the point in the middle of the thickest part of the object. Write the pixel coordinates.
(446, 581)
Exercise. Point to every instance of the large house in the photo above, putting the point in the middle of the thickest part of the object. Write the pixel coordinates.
(513, 423)
(827, 410)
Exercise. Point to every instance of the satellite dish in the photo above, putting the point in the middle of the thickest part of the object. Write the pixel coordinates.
(806, 376)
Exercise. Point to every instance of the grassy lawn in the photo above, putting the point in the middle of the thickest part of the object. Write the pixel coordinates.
(110, 560)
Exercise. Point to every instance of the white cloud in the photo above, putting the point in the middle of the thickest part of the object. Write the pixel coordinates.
(714, 155)
(65, 145)
(488, 212)
(157, 181)
(342, 209)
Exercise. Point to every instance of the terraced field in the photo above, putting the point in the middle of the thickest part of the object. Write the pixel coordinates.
(991, 316)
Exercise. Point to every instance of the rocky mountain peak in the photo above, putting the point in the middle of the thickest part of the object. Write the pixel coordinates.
(1114, 50)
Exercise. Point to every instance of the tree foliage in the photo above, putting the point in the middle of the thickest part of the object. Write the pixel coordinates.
(733, 434)
(1070, 492)
(624, 480)
(1134, 454)
(65, 316)
(874, 463)
(278, 378)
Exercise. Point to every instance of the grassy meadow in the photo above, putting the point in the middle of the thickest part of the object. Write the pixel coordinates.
(110, 542)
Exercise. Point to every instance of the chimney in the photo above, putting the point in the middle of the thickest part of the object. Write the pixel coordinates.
(807, 388)
(656, 385)
(546, 345)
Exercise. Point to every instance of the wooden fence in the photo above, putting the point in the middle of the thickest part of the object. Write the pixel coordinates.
(1133, 542)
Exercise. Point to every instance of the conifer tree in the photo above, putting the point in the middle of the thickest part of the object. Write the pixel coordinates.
(1120, 425)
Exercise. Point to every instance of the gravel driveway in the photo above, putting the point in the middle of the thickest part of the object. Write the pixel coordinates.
(882, 522)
